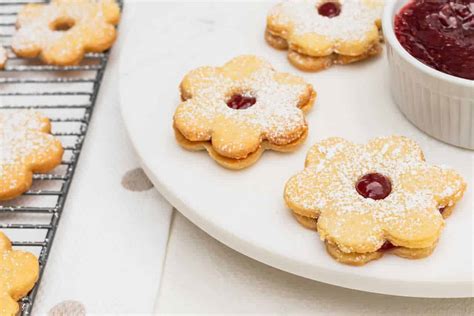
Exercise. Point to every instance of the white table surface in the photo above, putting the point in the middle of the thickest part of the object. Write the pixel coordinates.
(201, 275)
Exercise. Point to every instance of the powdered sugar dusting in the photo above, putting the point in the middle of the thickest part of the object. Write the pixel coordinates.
(352, 162)
(23, 141)
(276, 113)
(18, 136)
(17, 270)
(354, 21)
(36, 26)
(419, 190)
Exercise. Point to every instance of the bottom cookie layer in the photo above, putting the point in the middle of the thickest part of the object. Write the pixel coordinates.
(237, 164)
(308, 222)
(359, 259)
(312, 63)
(276, 41)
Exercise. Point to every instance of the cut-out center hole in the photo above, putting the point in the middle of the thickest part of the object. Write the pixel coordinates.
(241, 102)
(374, 186)
(62, 24)
(329, 9)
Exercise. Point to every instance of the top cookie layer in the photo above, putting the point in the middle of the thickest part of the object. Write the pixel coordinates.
(351, 33)
(61, 32)
(25, 147)
(277, 115)
(409, 216)
(18, 274)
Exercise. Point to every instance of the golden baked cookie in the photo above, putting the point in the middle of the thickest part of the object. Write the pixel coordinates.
(365, 200)
(62, 31)
(237, 111)
(26, 147)
(18, 274)
(320, 33)
(3, 57)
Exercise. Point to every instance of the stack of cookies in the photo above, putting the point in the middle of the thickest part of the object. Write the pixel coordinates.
(237, 111)
(320, 33)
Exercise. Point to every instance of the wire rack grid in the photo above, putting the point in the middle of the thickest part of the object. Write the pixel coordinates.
(67, 95)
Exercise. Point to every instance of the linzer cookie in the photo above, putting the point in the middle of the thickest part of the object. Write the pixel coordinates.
(367, 200)
(62, 31)
(18, 274)
(3, 57)
(26, 146)
(237, 111)
(320, 33)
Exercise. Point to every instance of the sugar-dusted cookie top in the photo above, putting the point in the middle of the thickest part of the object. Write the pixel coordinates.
(242, 104)
(26, 147)
(365, 195)
(18, 274)
(62, 31)
(323, 27)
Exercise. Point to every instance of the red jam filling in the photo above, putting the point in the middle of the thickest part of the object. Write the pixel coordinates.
(439, 33)
(329, 9)
(374, 186)
(387, 246)
(241, 102)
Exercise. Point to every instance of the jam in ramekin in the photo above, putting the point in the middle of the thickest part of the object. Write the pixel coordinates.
(439, 33)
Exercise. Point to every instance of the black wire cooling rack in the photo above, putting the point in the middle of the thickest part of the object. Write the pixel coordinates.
(67, 95)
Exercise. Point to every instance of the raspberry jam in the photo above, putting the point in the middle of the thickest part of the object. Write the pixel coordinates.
(374, 186)
(329, 9)
(386, 246)
(241, 102)
(440, 34)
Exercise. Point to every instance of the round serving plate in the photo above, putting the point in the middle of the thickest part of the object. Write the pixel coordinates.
(245, 209)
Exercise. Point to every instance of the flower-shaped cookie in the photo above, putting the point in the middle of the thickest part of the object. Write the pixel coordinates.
(18, 274)
(62, 31)
(319, 33)
(364, 199)
(3, 57)
(25, 147)
(237, 111)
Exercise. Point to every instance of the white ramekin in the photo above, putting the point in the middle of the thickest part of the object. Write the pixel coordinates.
(439, 104)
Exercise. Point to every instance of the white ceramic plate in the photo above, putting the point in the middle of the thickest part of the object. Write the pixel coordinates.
(245, 210)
